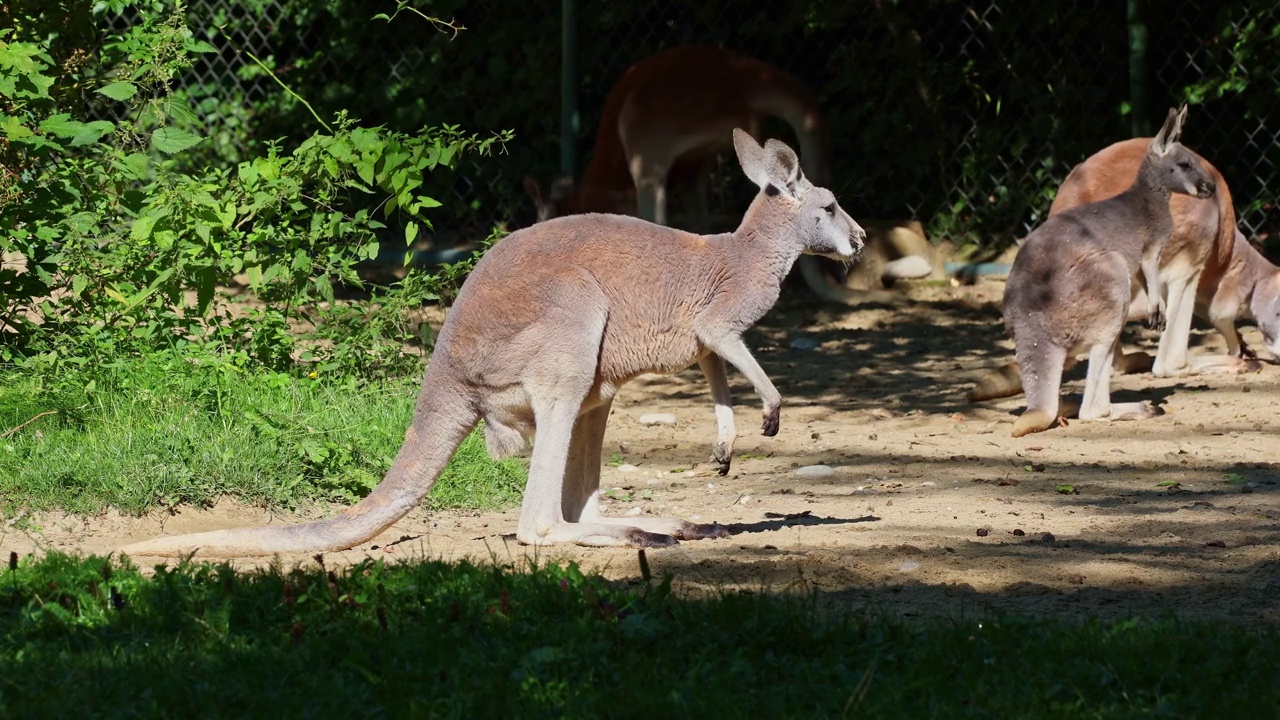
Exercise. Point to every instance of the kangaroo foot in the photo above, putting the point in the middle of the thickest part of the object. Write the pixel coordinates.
(702, 531)
(720, 454)
(1033, 421)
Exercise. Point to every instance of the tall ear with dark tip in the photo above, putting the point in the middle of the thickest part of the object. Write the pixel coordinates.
(785, 167)
(1169, 132)
(751, 157)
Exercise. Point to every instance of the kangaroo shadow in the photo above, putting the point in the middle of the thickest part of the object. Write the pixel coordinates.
(778, 521)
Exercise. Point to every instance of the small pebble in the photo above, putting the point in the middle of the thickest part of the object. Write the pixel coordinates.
(815, 471)
(657, 419)
(1246, 488)
(873, 436)
(1017, 532)
(804, 343)
(746, 500)
(928, 483)
(633, 512)
(983, 532)
(909, 565)
(711, 486)
(1048, 537)
(627, 468)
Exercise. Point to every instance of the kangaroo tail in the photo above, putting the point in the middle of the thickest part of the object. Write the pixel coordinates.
(817, 283)
(441, 421)
(1042, 382)
(908, 268)
(1004, 381)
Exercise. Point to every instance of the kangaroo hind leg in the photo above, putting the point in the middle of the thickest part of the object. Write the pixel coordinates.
(581, 500)
(1040, 365)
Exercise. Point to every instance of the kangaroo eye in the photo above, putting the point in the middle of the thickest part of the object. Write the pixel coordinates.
(1184, 165)
(831, 209)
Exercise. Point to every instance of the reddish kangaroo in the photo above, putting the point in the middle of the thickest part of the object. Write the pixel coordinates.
(552, 321)
(665, 121)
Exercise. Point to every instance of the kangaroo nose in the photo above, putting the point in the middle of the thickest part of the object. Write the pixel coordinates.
(858, 238)
(1206, 188)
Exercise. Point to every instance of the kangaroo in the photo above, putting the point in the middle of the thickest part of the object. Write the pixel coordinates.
(1225, 288)
(552, 321)
(663, 124)
(1071, 283)
(1250, 285)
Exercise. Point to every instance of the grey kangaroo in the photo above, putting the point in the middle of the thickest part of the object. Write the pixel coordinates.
(554, 319)
(1071, 283)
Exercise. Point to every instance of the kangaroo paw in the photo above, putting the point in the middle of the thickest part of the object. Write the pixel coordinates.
(772, 420)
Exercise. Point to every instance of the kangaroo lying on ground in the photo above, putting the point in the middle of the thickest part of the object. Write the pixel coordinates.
(1071, 283)
(552, 321)
(665, 121)
(1233, 281)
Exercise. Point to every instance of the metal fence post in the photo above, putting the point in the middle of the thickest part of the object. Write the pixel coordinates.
(1139, 112)
(569, 118)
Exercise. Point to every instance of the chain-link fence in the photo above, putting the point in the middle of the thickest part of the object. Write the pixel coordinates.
(966, 115)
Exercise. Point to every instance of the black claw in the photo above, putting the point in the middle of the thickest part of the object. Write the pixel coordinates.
(771, 422)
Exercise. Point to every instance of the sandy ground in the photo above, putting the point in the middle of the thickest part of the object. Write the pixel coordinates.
(932, 508)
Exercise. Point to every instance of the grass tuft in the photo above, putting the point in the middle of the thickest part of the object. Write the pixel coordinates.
(429, 638)
(162, 431)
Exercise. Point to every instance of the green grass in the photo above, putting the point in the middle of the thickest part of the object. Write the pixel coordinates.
(158, 432)
(92, 638)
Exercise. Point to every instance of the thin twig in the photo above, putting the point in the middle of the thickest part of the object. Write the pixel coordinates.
(11, 431)
(279, 82)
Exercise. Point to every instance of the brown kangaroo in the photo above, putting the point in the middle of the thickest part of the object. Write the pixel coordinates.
(665, 121)
(554, 319)
(1071, 283)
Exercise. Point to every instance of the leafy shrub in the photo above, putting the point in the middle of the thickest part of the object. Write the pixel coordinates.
(112, 249)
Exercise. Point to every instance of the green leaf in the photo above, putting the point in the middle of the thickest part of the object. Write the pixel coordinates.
(134, 165)
(324, 287)
(1067, 489)
(410, 233)
(119, 90)
(142, 228)
(364, 169)
(92, 132)
(204, 278)
(170, 140)
(13, 128)
(1168, 483)
(61, 125)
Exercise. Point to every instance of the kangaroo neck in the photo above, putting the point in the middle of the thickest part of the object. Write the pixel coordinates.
(1150, 199)
(765, 236)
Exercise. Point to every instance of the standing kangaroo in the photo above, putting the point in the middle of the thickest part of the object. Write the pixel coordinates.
(665, 121)
(1208, 266)
(1071, 283)
(552, 321)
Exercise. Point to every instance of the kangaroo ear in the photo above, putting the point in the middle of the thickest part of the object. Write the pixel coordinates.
(752, 158)
(785, 167)
(531, 187)
(1169, 132)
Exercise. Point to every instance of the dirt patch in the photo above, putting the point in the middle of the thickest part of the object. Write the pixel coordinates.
(931, 508)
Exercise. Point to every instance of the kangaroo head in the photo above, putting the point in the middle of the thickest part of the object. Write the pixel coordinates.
(566, 198)
(814, 217)
(1177, 168)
